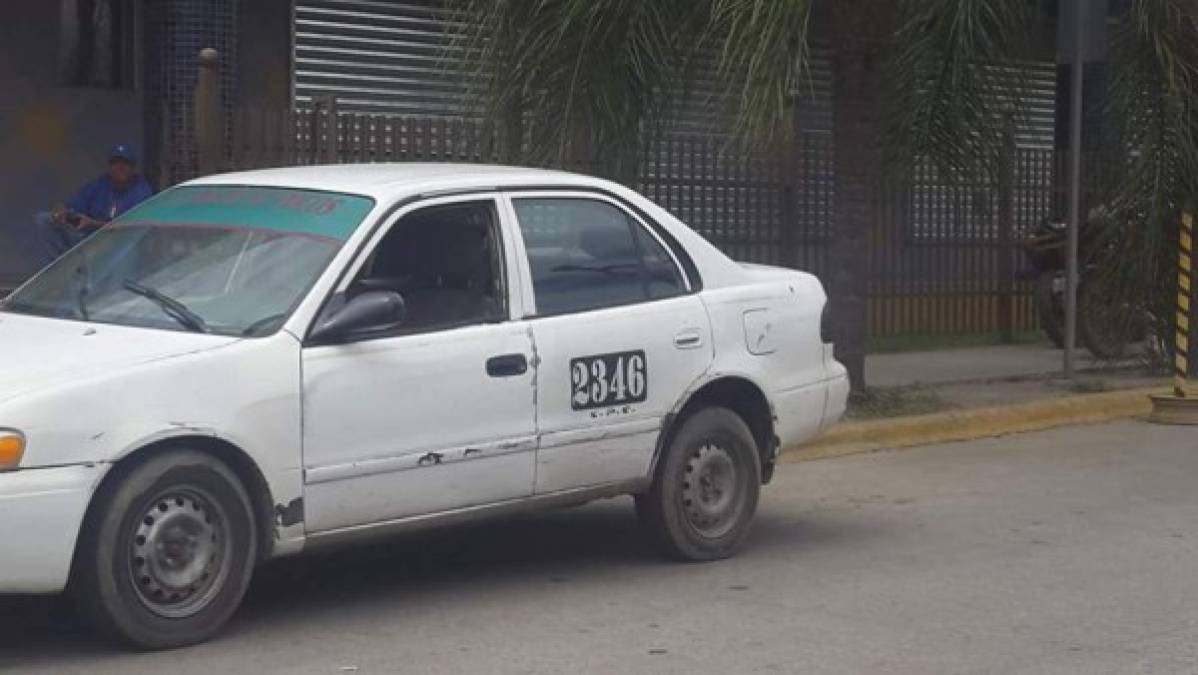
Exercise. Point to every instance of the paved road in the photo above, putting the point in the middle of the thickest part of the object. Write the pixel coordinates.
(1067, 551)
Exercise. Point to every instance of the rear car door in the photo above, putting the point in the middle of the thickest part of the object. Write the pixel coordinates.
(620, 335)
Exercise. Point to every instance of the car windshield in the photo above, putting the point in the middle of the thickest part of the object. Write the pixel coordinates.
(213, 259)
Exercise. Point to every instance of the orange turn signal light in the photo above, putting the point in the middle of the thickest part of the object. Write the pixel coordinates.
(12, 449)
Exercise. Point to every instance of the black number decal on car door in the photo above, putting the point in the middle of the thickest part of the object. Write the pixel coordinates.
(608, 379)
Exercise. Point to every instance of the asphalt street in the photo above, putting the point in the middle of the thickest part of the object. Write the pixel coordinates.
(1066, 551)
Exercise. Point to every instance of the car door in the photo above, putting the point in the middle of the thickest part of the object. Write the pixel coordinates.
(620, 336)
(437, 414)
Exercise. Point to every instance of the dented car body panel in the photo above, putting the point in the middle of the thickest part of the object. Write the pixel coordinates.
(160, 388)
(533, 405)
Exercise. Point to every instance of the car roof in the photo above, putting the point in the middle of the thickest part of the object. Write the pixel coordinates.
(385, 181)
(389, 183)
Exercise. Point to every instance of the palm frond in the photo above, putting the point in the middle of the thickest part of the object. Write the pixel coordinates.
(763, 52)
(1153, 110)
(953, 83)
(585, 75)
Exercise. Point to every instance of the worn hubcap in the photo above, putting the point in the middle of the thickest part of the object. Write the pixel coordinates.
(180, 553)
(710, 487)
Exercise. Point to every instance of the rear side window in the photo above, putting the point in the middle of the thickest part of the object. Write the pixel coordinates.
(587, 254)
(662, 277)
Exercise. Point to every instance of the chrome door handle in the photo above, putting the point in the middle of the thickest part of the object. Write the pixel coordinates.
(688, 339)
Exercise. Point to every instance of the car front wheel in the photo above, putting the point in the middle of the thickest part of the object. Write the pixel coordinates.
(705, 491)
(168, 551)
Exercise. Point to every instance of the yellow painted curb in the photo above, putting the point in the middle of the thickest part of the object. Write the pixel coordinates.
(960, 425)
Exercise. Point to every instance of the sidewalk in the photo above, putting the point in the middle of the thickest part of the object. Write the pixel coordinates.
(907, 383)
(954, 379)
(1002, 362)
(922, 398)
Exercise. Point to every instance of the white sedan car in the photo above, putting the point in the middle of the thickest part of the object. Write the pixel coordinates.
(257, 364)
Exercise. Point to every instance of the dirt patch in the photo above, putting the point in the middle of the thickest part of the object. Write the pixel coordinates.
(882, 402)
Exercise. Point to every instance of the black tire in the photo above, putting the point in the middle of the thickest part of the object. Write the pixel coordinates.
(1049, 308)
(1105, 325)
(706, 487)
(167, 552)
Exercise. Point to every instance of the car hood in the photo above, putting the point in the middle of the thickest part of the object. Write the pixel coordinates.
(39, 352)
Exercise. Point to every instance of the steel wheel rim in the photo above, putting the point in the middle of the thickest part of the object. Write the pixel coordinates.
(179, 552)
(712, 491)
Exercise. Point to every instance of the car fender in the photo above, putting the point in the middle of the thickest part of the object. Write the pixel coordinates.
(245, 395)
(669, 421)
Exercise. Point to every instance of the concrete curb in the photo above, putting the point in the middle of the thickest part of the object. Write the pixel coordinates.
(961, 425)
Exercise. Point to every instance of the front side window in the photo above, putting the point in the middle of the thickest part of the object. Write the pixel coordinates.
(216, 259)
(586, 254)
(444, 261)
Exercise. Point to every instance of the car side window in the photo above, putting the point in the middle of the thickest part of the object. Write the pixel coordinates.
(445, 261)
(587, 254)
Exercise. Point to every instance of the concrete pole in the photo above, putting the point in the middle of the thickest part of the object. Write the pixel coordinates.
(1075, 171)
(1006, 228)
(209, 122)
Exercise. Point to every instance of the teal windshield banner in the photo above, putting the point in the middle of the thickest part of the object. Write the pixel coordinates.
(311, 212)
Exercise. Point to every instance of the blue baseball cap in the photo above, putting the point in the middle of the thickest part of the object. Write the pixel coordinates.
(123, 152)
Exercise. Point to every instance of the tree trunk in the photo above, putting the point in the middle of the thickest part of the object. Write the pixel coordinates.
(859, 30)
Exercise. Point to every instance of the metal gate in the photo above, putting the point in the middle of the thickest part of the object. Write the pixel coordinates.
(941, 259)
(378, 57)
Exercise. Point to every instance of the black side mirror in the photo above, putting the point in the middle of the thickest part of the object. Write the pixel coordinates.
(366, 313)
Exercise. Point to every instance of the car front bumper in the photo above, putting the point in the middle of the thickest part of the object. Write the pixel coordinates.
(41, 511)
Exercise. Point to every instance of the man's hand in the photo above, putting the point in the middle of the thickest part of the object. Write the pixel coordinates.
(86, 223)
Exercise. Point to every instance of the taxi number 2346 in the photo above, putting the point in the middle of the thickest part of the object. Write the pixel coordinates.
(608, 379)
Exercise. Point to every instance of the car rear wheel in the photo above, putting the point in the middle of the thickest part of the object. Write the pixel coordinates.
(706, 488)
(168, 552)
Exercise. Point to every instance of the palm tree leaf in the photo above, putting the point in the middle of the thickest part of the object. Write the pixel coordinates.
(586, 75)
(762, 57)
(1153, 111)
(955, 82)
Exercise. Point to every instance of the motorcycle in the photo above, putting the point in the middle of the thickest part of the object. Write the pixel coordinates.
(1105, 325)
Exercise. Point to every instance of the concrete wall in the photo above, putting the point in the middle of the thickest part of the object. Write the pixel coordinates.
(52, 138)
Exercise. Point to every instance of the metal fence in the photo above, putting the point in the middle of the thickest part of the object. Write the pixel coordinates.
(943, 257)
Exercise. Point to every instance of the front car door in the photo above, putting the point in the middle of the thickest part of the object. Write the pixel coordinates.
(437, 415)
(620, 335)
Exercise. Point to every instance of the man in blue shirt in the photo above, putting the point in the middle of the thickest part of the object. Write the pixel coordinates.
(96, 203)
